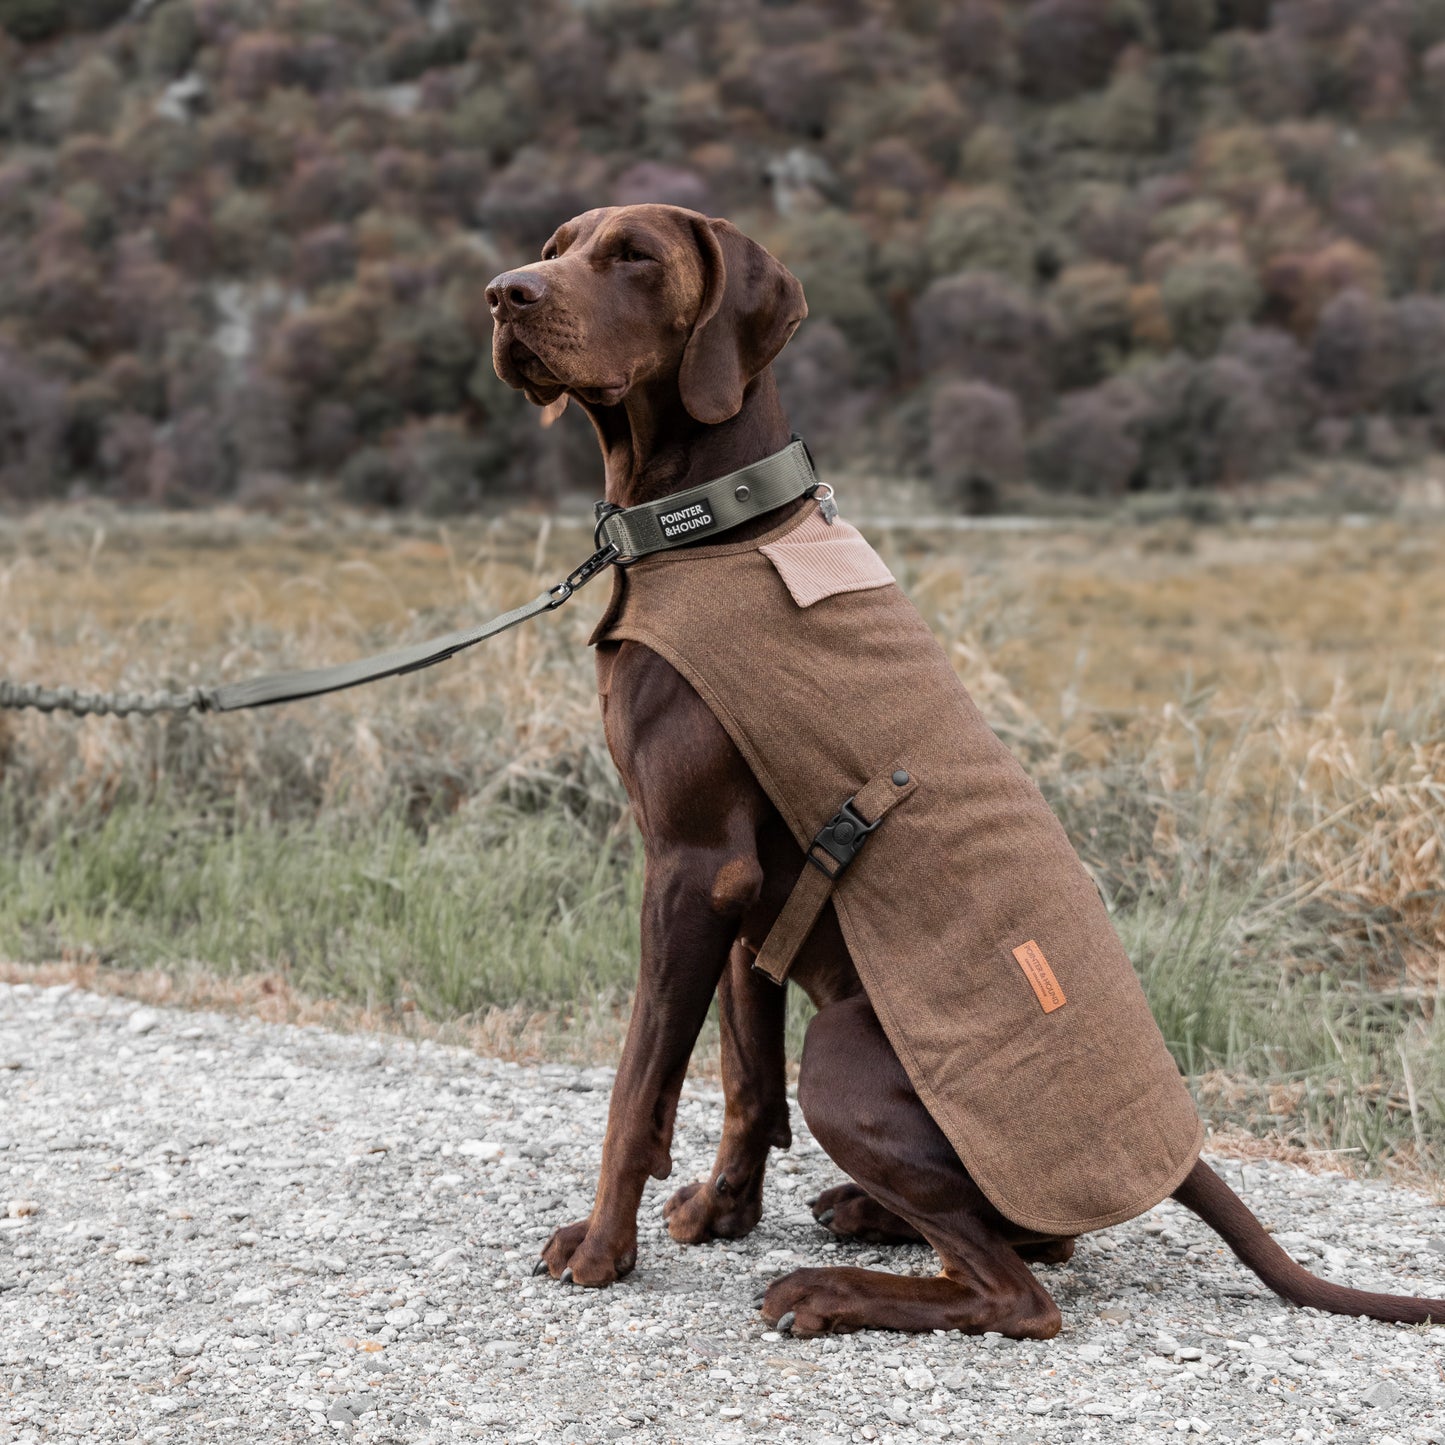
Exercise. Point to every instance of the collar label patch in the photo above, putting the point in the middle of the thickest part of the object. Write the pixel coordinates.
(1040, 976)
(686, 520)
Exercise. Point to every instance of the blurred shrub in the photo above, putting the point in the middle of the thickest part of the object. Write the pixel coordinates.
(975, 442)
(976, 40)
(96, 96)
(32, 20)
(1297, 285)
(977, 324)
(373, 478)
(1095, 312)
(988, 156)
(929, 118)
(1204, 296)
(793, 86)
(1239, 163)
(413, 50)
(330, 188)
(127, 442)
(832, 256)
(982, 229)
(1091, 445)
(171, 39)
(243, 226)
(32, 415)
(572, 60)
(1027, 208)
(496, 119)
(1432, 89)
(257, 427)
(1184, 24)
(325, 256)
(1207, 423)
(95, 14)
(668, 185)
(445, 469)
(189, 462)
(1351, 351)
(1281, 367)
(328, 437)
(1417, 385)
(437, 466)
(1067, 46)
(818, 382)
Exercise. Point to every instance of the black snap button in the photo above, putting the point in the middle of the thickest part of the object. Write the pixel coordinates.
(844, 832)
(900, 779)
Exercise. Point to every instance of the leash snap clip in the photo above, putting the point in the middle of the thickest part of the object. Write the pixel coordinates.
(581, 575)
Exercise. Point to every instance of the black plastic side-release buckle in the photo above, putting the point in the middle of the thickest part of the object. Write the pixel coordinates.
(840, 838)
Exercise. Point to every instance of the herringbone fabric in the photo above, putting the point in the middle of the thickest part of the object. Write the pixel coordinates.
(968, 915)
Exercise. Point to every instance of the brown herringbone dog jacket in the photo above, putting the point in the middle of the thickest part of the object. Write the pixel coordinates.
(982, 942)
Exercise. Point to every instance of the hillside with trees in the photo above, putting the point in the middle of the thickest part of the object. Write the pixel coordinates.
(1099, 245)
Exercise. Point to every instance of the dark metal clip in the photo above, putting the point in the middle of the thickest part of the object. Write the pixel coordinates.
(581, 575)
(841, 837)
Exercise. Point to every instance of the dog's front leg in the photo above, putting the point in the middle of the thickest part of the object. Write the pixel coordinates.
(753, 1013)
(698, 807)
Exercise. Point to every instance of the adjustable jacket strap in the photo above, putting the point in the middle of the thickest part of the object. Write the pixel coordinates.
(712, 506)
(836, 846)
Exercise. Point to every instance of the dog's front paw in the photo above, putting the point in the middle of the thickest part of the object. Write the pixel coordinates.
(579, 1254)
(699, 1212)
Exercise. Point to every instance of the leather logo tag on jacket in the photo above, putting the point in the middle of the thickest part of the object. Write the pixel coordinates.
(686, 520)
(1040, 976)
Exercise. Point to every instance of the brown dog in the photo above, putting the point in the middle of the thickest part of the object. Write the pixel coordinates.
(662, 325)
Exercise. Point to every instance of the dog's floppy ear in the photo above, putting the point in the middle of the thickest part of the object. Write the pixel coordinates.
(751, 305)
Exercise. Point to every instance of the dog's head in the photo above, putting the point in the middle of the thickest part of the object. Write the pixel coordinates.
(629, 295)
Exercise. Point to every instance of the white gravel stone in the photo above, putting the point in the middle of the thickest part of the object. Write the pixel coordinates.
(142, 1021)
(481, 1149)
(338, 1233)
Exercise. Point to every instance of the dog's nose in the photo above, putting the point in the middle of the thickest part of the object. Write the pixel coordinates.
(515, 291)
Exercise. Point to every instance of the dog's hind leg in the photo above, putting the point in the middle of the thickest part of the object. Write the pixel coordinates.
(862, 1108)
(850, 1212)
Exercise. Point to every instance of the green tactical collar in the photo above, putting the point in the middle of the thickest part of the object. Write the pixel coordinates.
(709, 508)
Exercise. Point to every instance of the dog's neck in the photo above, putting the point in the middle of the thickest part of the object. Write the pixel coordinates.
(651, 446)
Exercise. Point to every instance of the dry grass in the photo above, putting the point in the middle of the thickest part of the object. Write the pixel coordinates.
(1242, 727)
(520, 1033)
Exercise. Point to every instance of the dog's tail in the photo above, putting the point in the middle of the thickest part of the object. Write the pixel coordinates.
(1204, 1192)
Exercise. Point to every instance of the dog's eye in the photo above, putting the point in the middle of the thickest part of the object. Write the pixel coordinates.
(631, 253)
(549, 252)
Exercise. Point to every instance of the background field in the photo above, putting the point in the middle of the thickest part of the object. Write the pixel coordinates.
(1051, 247)
(1242, 727)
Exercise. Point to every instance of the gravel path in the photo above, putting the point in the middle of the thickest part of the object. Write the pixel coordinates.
(219, 1230)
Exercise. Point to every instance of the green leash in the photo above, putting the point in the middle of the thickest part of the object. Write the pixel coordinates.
(622, 534)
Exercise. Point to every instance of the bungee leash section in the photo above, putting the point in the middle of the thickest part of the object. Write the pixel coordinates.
(622, 535)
